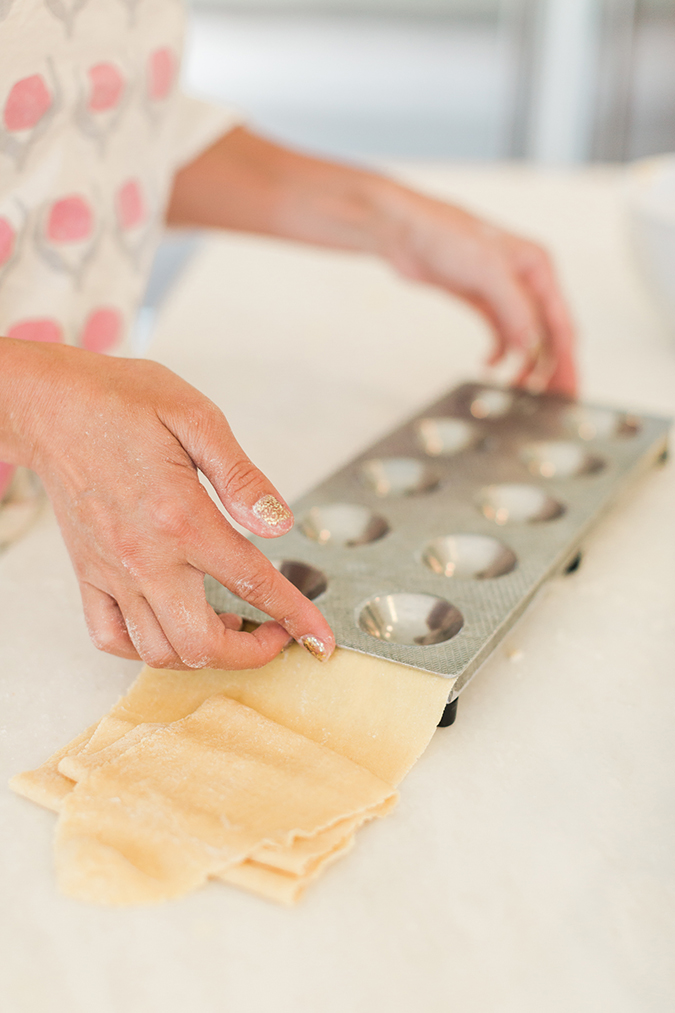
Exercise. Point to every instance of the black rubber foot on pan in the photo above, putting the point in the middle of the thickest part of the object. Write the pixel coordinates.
(449, 714)
(574, 564)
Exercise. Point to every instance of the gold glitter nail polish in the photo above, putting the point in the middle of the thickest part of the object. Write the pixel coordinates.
(316, 648)
(271, 512)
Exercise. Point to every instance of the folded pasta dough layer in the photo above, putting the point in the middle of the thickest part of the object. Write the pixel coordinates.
(299, 859)
(375, 713)
(274, 884)
(279, 873)
(46, 785)
(191, 799)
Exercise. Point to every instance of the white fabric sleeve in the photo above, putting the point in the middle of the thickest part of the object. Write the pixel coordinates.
(198, 124)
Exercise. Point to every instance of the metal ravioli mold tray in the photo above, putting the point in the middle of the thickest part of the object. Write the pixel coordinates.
(428, 546)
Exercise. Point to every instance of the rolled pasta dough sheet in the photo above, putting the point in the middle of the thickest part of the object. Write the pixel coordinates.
(379, 714)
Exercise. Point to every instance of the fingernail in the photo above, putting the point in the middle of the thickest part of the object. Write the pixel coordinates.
(316, 648)
(535, 344)
(271, 512)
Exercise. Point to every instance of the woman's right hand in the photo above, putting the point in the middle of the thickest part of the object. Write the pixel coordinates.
(118, 444)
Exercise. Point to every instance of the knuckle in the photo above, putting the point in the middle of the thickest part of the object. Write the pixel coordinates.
(109, 641)
(207, 424)
(258, 587)
(171, 518)
(210, 416)
(196, 658)
(132, 559)
(241, 475)
(538, 259)
(196, 662)
(540, 253)
(154, 370)
(156, 657)
(150, 645)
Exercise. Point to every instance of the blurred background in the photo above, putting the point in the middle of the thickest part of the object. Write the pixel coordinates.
(556, 81)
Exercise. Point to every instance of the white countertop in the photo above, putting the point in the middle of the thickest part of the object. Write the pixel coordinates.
(530, 864)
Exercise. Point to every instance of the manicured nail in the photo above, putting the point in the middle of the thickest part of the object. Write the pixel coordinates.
(271, 512)
(535, 345)
(316, 648)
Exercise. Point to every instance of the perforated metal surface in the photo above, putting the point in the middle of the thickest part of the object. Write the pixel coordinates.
(577, 458)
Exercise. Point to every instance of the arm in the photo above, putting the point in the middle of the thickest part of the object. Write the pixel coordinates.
(246, 183)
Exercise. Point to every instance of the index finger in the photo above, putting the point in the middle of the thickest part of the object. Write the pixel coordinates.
(202, 639)
(559, 329)
(245, 571)
(212, 546)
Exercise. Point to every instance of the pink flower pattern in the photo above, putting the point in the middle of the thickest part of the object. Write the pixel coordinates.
(70, 220)
(102, 329)
(106, 87)
(91, 128)
(100, 104)
(69, 235)
(161, 72)
(130, 205)
(7, 241)
(29, 107)
(27, 103)
(36, 330)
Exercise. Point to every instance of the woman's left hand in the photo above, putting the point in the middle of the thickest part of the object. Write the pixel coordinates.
(246, 182)
(509, 279)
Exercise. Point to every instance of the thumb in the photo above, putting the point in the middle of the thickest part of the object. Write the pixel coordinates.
(246, 493)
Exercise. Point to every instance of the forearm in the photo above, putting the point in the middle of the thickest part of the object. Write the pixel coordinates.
(249, 184)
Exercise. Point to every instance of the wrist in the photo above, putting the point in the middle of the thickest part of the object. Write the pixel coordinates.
(397, 212)
(27, 379)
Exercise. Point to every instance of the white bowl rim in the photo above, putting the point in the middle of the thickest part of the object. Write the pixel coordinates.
(647, 179)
